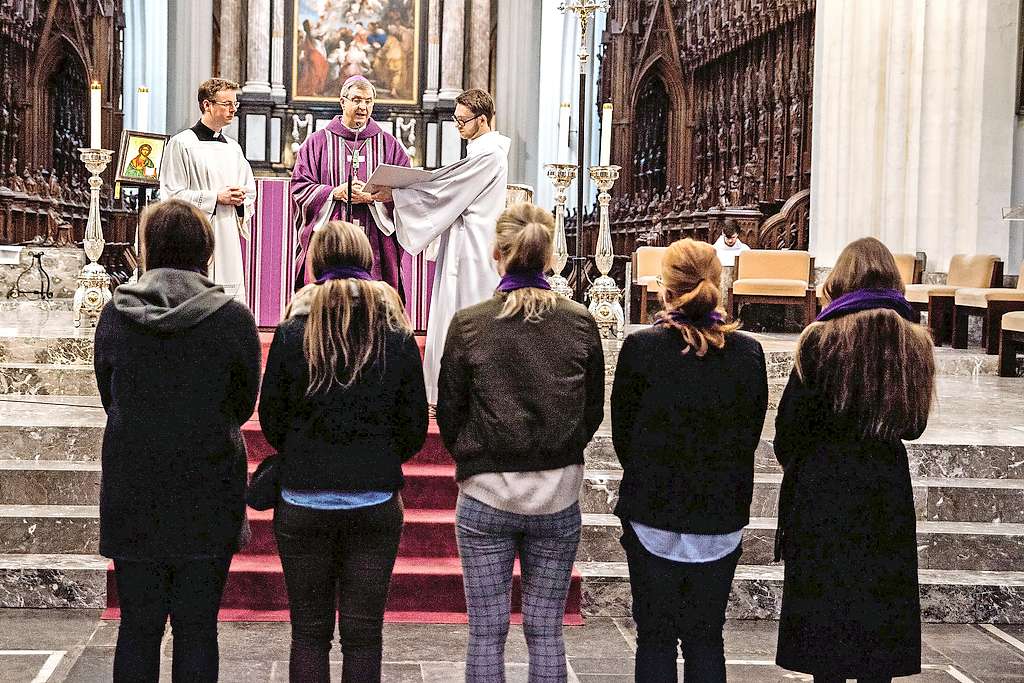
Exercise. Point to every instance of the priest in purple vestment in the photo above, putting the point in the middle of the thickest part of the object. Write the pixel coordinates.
(320, 178)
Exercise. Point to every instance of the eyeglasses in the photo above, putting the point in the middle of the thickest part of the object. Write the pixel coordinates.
(360, 101)
(230, 105)
(462, 122)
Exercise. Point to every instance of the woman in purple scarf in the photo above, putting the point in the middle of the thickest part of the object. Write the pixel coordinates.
(863, 383)
(319, 182)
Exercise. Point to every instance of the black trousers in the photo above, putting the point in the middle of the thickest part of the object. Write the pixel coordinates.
(337, 558)
(678, 603)
(187, 591)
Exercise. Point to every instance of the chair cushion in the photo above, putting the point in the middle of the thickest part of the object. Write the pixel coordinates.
(1014, 322)
(651, 281)
(766, 286)
(919, 293)
(772, 264)
(971, 271)
(980, 296)
(648, 262)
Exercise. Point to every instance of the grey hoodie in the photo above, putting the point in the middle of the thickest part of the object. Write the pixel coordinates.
(168, 300)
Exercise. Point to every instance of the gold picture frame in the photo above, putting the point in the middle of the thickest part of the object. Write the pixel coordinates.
(379, 39)
(140, 157)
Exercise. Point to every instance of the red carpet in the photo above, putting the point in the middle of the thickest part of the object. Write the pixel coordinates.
(426, 586)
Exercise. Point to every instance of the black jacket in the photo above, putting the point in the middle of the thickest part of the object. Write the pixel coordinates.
(347, 439)
(685, 430)
(847, 531)
(517, 396)
(177, 364)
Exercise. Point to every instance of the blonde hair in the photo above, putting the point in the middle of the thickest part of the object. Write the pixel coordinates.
(872, 366)
(348, 318)
(524, 239)
(690, 275)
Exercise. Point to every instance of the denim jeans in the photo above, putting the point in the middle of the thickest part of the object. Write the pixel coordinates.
(678, 603)
(187, 591)
(489, 540)
(340, 558)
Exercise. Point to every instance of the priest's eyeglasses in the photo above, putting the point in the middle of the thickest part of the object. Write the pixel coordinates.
(229, 105)
(462, 122)
(360, 101)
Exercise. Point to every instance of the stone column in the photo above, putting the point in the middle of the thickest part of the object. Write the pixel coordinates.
(517, 73)
(479, 44)
(257, 68)
(433, 52)
(277, 90)
(913, 126)
(189, 24)
(231, 31)
(452, 53)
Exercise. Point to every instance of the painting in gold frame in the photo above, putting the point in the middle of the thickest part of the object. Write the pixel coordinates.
(334, 40)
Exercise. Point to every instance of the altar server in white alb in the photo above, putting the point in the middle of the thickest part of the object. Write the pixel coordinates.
(206, 168)
(460, 205)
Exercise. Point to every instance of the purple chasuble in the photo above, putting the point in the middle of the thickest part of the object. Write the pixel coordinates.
(321, 165)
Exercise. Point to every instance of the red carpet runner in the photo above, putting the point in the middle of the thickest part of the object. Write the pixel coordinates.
(426, 586)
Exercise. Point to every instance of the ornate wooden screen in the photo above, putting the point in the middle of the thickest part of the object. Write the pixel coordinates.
(49, 52)
(736, 79)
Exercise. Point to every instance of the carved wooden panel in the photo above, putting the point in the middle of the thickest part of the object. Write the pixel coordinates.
(727, 85)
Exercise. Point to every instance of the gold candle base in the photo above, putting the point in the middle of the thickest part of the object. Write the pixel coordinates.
(605, 295)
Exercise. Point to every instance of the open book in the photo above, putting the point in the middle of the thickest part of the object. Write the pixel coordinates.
(388, 175)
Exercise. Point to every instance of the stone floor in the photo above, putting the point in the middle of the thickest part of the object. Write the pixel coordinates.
(75, 646)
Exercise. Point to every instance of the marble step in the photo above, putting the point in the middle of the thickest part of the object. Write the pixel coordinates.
(48, 379)
(25, 306)
(51, 428)
(940, 545)
(947, 596)
(71, 350)
(936, 499)
(80, 581)
(74, 529)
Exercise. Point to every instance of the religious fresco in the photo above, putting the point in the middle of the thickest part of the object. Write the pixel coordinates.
(337, 39)
(140, 157)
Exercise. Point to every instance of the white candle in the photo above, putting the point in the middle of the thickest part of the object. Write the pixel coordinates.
(606, 134)
(142, 108)
(563, 131)
(95, 102)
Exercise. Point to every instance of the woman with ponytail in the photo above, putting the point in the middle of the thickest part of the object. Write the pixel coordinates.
(688, 405)
(343, 402)
(863, 383)
(521, 393)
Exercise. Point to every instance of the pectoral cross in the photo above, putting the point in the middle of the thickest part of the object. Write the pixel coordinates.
(359, 158)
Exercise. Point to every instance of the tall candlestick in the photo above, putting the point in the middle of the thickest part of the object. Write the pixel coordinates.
(142, 108)
(606, 134)
(95, 102)
(563, 132)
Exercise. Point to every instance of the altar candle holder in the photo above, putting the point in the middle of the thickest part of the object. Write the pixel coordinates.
(561, 176)
(605, 295)
(93, 290)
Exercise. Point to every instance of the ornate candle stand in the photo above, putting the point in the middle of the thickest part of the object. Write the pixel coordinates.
(605, 295)
(561, 175)
(584, 10)
(93, 282)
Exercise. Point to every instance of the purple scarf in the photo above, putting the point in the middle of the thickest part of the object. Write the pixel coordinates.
(344, 272)
(866, 300)
(521, 279)
(679, 317)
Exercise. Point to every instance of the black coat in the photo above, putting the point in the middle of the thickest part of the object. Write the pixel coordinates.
(847, 530)
(174, 466)
(517, 396)
(349, 438)
(685, 430)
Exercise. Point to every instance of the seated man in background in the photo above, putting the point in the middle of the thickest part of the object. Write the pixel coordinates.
(728, 244)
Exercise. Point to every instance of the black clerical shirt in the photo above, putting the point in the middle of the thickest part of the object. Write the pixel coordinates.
(206, 134)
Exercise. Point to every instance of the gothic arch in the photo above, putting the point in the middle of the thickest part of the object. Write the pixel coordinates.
(58, 54)
(677, 134)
